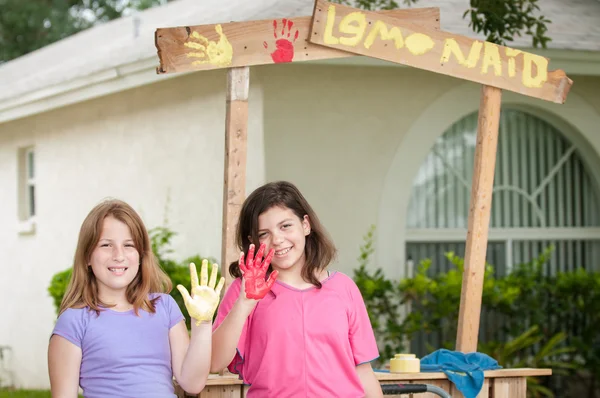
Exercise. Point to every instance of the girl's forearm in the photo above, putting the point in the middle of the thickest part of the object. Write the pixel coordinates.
(196, 364)
(226, 337)
(369, 381)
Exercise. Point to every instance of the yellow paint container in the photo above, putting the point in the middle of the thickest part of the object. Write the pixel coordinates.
(405, 363)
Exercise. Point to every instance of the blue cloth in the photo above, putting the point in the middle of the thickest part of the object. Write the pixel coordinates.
(464, 370)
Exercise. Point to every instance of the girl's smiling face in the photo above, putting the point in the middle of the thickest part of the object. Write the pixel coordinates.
(280, 229)
(115, 260)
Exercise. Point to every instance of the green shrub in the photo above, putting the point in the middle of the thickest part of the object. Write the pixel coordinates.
(540, 320)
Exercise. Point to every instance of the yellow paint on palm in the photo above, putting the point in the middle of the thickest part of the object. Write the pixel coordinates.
(203, 302)
(215, 53)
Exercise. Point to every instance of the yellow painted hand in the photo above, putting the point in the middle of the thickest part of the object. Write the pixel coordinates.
(215, 53)
(203, 302)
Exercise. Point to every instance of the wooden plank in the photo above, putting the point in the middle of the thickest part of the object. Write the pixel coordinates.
(484, 393)
(380, 36)
(256, 42)
(489, 374)
(509, 387)
(228, 391)
(443, 384)
(225, 379)
(479, 219)
(234, 186)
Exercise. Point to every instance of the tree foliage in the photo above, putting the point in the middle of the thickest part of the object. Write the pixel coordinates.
(27, 25)
(499, 20)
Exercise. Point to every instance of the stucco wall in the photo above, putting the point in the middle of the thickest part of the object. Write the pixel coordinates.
(345, 126)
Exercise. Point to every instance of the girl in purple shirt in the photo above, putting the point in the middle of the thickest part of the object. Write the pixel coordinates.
(118, 333)
(304, 331)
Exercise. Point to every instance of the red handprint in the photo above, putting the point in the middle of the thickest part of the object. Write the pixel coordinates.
(284, 51)
(254, 273)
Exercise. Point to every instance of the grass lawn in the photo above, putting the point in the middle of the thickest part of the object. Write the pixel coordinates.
(26, 394)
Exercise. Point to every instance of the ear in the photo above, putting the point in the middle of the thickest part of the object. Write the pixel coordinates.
(306, 225)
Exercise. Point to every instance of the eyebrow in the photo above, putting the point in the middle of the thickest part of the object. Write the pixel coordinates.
(281, 222)
(111, 240)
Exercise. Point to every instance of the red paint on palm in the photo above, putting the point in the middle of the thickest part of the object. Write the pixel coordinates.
(284, 48)
(254, 272)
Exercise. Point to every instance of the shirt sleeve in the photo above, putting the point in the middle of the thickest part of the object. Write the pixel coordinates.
(362, 338)
(174, 313)
(71, 325)
(227, 303)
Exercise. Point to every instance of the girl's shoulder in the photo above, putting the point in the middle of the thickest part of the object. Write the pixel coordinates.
(340, 279)
(75, 318)
(342, 283)
(162, 299)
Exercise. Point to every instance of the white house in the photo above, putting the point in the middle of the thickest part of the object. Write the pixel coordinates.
(368, 142)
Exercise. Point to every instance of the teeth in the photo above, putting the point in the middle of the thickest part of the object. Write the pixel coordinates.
(282, 252)
(117, 269)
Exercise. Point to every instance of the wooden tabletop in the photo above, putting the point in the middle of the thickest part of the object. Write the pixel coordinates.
(521, 372)
(233, 379)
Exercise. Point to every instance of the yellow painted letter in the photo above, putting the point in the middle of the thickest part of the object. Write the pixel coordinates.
(328, 37)
(419, 43)
(452, 47)
(542, 70)
(381, 29)
(511, 53)
(491, 56)
(353, 24)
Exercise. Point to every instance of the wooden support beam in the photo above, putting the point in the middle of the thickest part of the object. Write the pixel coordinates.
(234, 184)
(479, 219)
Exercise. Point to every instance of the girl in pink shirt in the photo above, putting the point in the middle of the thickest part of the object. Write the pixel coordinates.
(304, 331)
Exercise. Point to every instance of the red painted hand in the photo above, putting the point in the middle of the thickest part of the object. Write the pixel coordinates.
(254, 272)
(284, 47)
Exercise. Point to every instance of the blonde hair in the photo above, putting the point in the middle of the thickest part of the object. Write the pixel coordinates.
(82, 290)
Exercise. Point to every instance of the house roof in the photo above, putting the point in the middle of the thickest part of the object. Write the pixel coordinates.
(575, 26)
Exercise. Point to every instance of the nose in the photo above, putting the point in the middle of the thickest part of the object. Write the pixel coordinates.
(277, 239)
(118, 254)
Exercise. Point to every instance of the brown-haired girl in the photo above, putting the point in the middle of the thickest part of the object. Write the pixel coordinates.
(303, 331)
(119, 334)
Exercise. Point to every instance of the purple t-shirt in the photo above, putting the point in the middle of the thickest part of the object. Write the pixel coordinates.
(123, 355)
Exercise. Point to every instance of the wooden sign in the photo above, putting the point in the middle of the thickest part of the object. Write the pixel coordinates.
(262, 42)
(381, 36)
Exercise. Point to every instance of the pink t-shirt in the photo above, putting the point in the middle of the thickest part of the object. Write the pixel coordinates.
(303, 343)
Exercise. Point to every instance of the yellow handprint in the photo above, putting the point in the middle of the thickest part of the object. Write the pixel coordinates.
(203, 302)
(215, 53)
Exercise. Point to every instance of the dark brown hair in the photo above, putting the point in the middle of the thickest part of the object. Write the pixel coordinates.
(319, 249)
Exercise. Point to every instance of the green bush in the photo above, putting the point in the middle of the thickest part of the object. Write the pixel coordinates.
(178, 272)
(537, 320)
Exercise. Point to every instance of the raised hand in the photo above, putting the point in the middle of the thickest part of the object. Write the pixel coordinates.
(254, 272)
(203, 302)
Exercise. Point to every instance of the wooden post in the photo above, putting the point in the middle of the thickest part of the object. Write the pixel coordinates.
(234, 185)
(479, 219)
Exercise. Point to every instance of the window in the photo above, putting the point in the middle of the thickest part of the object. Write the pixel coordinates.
(27, 192)
(543, 195)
